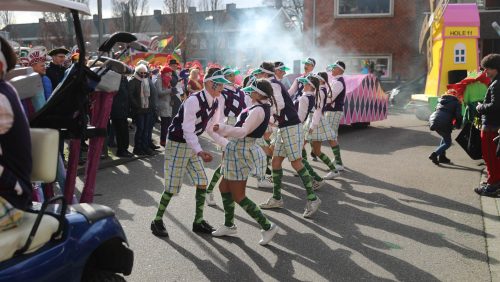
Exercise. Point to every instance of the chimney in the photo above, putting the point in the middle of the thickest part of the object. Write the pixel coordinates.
(278, 4)
(230, 7)
(157, 13)
(191, 10)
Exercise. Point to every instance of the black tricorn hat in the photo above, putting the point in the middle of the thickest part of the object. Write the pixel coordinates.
(58, 51)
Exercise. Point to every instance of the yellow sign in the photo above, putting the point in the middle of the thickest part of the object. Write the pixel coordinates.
(458, 31)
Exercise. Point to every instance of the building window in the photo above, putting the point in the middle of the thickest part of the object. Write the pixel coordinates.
(364, 8)
(459, 53)
(203, 43)
(194, 42)
(379, 65)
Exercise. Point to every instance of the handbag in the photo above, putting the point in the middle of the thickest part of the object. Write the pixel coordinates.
(470, 140)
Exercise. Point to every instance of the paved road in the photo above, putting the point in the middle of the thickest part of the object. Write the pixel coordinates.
(392, 215)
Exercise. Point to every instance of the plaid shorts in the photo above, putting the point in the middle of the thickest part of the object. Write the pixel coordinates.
(289, 142)
(239, 159)
(231, 120)
(259, 159)
(179, 159)
(337, 116)
(322, 132)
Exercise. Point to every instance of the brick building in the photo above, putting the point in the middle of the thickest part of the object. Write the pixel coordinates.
(384, 32)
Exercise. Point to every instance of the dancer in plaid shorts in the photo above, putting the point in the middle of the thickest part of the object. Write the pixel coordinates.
(334, 110)
(183, 153)
(310, 114)
(238, 160)
(232, 101)
(323, 132)
(289, 143)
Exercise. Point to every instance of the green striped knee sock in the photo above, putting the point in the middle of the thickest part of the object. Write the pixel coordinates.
(326, 160)
(309, 167)
(268, 171)
(228, 203)
(336, 153)
(200, 204)
(307, 180)
(165, 199)
(254, 211)
(277, 176)
(214, 180)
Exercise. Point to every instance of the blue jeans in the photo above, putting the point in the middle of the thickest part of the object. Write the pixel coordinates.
(142, 123)
(445, 142)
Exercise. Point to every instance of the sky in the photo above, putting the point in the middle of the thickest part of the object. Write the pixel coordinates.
(27, 17)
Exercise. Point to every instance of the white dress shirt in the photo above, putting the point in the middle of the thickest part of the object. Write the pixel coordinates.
(337, 87)
(254, 119)
(191, 107)
(303, 109)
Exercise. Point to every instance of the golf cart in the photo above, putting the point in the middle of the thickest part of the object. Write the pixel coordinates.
(60, 240)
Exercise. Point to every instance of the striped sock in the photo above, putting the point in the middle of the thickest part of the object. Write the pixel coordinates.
(306, 179)
(165, 199)
(268, 171)
(326, 160)
(309, 167)
(336, 153)
(254, 211)
(277, 176)
(228, 203)
(200, 204)
(214, 180)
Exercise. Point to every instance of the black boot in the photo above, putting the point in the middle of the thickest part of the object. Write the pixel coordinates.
(443, 159)
(434, 158)
(158, 228)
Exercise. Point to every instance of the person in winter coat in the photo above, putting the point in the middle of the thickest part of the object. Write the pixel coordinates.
(165, 102)
(448, 112)
(141, 101)
(119, 114)
(490, 119)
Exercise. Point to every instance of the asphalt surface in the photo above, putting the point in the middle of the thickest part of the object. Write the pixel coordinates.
(393, 215)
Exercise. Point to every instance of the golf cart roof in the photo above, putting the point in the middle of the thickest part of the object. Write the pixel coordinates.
(43, 6)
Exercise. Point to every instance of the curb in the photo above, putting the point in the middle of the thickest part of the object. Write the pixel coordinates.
(491, 206)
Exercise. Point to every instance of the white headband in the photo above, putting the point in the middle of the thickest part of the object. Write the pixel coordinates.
(254, 88)
(215, 77)
(266, 71)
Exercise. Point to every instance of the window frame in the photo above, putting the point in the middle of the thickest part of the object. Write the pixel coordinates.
(462, 56)
(337, 13)
(348, 58)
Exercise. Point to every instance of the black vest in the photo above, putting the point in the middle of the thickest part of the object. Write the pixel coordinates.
(288, 115)
(234, 101)
(261, 129)
(175, 132)
(338, 104)
(16, 153)
(310, 107)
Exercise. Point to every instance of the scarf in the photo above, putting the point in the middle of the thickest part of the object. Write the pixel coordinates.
(144, 91)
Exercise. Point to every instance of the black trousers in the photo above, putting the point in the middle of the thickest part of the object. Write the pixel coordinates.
(120, 125)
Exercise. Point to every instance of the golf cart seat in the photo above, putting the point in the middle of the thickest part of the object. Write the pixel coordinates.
(44, 149)
(14, 239)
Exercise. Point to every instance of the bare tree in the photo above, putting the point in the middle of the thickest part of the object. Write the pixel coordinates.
(293, 8)
(6, 18)
(129, 15)
(180, 24)
(57, 29)
(210, 5)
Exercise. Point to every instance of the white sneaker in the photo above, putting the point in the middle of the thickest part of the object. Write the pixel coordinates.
(267, 235)
(225, 231)
(331, 175)
(272, 203)
(265, 183)
(210, 199)
(317, 184)
(312, 207)
(339, 167)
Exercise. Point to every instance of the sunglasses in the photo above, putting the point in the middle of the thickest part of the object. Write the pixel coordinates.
(143, 73)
